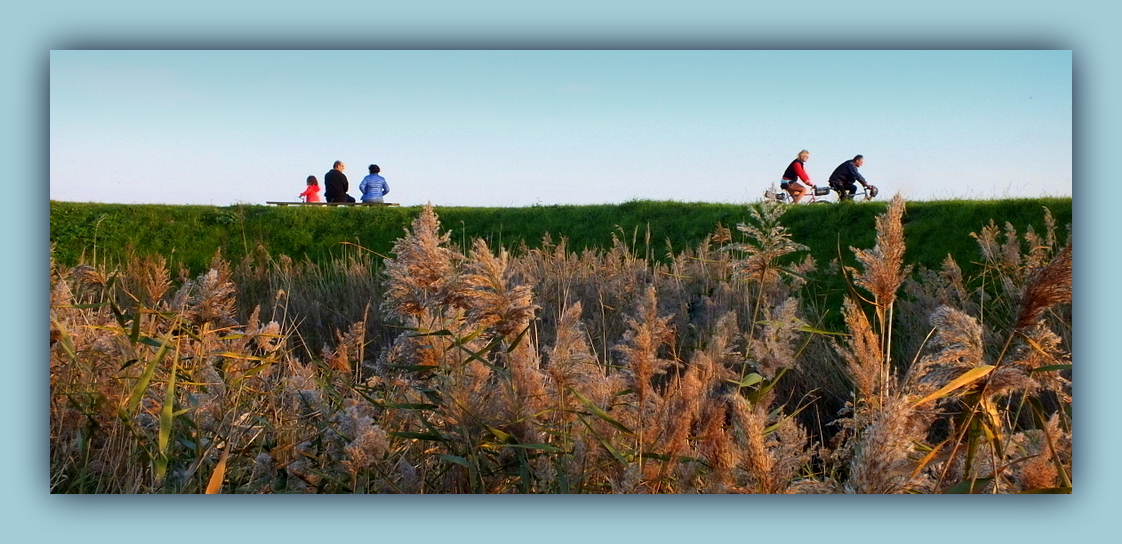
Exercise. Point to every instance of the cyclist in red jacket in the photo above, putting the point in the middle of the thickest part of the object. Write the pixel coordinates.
(794, 174)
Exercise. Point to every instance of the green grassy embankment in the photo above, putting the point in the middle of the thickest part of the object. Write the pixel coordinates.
(189, 236)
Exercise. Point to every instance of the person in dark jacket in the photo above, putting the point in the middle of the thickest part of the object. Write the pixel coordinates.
(846, 177)
(336, 184)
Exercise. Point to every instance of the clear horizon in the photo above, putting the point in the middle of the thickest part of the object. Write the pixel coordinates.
(519, 128)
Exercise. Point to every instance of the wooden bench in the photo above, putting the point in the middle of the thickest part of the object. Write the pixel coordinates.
(274, 203)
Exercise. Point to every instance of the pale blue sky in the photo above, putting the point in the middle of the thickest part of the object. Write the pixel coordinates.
(514, 128)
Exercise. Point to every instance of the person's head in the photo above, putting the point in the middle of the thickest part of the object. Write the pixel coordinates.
(339, 166)
(312, 180)
(804, 155)
(374, 169)
(859, 160)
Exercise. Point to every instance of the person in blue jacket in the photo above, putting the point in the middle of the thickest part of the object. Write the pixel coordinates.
(373, 186)
(845, 178)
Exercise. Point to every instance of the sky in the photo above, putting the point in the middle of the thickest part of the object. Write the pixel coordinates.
(519, 128)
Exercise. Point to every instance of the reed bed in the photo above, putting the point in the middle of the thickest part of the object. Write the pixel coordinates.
(468, 368)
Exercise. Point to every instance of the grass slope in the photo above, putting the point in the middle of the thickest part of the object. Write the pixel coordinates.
(189, 236)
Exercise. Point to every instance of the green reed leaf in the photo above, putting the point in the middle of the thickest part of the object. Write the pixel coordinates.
(412, 368)
(542, 447)
(167, 417)
(748, 381)
(603, 442)
(120, 316)
(407, 406)
(969, 486)
(141, 385)
(517, 339)
(66, 342)
(134, 334)
(235, 355)
(600, 413)
(149, 341)
(503, 437)
(418, 436)
(755, 396)
(455, 459)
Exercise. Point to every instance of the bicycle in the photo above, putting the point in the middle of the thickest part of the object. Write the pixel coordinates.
(782, 196)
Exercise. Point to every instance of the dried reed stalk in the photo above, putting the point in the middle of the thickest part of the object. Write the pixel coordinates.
(1046, 287)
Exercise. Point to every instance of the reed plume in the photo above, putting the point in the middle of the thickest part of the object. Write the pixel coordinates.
(956, 347)
(494, 297)
(885, 456)
(882, 273)
(718, 446)
(424, 274)
(767, 241)
(774, 448)
(883, 266)
(1046, 456)
(1046, 286)
(647, 334)
(773, 346)
(147, 278)
(1040, 359)
(211, 298)
(349, 350)
(862, 356)
(571, 365)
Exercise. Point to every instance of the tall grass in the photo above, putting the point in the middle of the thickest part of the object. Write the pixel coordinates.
(469, 366)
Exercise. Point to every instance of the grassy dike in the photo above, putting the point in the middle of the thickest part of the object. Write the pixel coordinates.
(189, 236)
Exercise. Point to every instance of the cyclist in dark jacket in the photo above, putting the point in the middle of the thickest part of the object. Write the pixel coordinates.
(845, 178)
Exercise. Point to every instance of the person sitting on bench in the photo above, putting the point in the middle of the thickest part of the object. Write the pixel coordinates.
(311, 194)
(336, 183)
(373, 186)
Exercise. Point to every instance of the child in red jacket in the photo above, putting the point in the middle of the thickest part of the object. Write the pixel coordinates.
(311, 194)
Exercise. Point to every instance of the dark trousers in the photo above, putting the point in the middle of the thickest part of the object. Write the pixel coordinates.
(845, 189)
